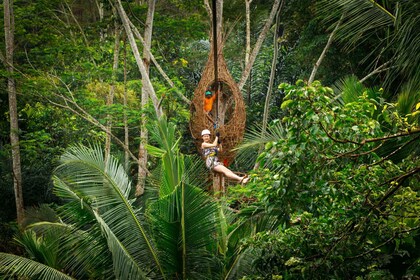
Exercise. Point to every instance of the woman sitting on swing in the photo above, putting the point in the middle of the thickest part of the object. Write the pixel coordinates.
(210, 150)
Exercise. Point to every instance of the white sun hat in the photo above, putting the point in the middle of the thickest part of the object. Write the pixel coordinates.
(205, 132)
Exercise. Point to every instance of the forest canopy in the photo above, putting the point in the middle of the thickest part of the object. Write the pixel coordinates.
(100, 173)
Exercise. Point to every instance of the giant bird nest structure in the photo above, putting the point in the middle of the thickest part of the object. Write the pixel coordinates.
(228, 115)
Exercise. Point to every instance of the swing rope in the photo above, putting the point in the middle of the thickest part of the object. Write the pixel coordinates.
(215, 58)
(230, 118)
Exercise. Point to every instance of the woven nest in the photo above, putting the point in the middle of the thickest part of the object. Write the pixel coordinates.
(228, 115)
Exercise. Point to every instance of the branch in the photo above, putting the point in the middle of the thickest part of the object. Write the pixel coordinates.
(394, 152)
(170, 82)
(261, 38)
(384, 138)
(140, 63)
(378, 70)
(397, 179)
(327, 46)
(384, 243)
(352, 152)
(3, 59)
(86, 116)
(396, 135)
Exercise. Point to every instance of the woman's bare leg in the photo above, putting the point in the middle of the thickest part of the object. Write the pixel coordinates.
(228, 173)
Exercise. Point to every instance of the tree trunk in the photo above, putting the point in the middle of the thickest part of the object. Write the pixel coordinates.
(148, 84)
(248, 44)
(110, 98)
(270, 85)
(141, 179)
(14, 126)
(258, 44)
(126, 134)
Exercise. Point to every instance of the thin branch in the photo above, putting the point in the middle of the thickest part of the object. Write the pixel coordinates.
(384, 243)
(377, 139)
(352, 152)
(261, 37)
(152, 57)
(140, 63)
(397, 179)
(377, 70)
(77, 23)
(324, 51)
(396, 151)
(85, 115)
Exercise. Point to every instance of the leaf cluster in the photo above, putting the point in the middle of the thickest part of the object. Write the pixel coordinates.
(336, 190)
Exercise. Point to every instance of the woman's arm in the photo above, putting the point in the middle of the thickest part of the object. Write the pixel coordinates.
(209, 145)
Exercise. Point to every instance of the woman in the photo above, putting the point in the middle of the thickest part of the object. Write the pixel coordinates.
(210, 150)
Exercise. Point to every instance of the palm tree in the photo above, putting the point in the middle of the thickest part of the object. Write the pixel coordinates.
(101, 233)
(393, 25)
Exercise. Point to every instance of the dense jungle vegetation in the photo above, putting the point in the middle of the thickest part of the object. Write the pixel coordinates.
(100, 177)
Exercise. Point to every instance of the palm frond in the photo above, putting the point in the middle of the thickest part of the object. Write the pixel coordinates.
(406, 41)
(242, 265)
(395, 24)
(361, 18)
(195, 170)
(254, 138)
(163, 132)
(240, 260)
(41, 248)
(408, 97)
(105, 190)
(124, 265)
(349, 89)
(83, 252)
(12, 265)
(187, 226)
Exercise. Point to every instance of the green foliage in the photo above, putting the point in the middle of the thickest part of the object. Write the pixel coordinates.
(346, 208)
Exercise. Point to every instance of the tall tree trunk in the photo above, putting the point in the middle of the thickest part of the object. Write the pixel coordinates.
(258, 44)
(270, 84)
(248, 44)
(148, 85)
(14, 126)
(126, 135)
(101, 11)
(144, 99)
(110, 98)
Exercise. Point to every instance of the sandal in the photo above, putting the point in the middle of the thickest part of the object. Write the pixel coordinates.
(244, 179)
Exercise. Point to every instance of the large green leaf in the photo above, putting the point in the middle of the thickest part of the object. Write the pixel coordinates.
(106, 189)
(186, 225)
(19, 266)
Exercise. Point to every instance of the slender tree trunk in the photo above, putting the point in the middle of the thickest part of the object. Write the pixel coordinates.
(110, 98)
(248, 44)
(270, 84)
(157, 65)
(144, 99)
(258, 44)
(101, 11)
(248, 30)
(126, 135)
(139, 61)
(14, 126)
(324, 51)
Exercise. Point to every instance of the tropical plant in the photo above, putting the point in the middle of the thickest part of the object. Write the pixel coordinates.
(395, 23)
(349, 211)
(100, 232)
